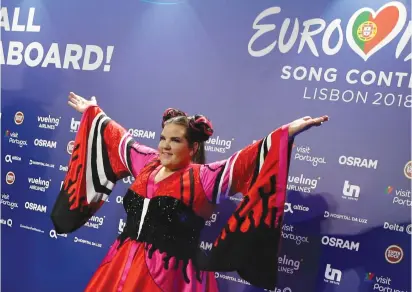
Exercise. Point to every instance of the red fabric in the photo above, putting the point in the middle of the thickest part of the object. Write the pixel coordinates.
(109, 274)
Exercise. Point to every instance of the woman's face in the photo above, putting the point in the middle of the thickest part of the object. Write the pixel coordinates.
(174, 149)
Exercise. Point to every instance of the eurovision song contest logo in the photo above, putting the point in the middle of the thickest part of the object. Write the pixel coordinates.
(369, 31)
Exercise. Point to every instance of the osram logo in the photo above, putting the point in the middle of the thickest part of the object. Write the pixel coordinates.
(358, 162)
(45, 143)
(35, 207)
(142, 133)
(340, 243)
(206, 245)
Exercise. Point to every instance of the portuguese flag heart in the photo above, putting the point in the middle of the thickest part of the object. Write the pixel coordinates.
(368, 31)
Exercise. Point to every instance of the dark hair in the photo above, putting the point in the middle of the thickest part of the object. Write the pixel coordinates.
(198, 130)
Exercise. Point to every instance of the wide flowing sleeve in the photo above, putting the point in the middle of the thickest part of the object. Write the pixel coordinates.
(103, 153)
(249, 242)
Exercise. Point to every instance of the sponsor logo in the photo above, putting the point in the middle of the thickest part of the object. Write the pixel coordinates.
(397, 228)
(48, 122)
(350, 192)
(345, 217)
(302, 184)
(64, 168)
(53, 234)
(340, 243)
(369, 277)
(128, 180)
(119, 200)
(212, 219)
(381, 283)
(303, 153)
(238, 280)
(289, 234)
(43, 164)
(31, 228)
(38, 184)
(402, 197)
(70, 147)
(74, 126)
(13, 138)
(45, 143)
(394, 254)
(88, 242)
(288, 265)
(10, 178)
(7, 222)
(18, 118)
(217, 144)
(204, 245)
(289, 208)
(95, 222)
(142, 133)
(358, 162)
(35, 207)
(5, 200)
(9, 159)
(407, 170)
(122, 225)
(332, 276)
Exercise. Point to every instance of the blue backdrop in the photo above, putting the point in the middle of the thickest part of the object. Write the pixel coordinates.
(248, 65)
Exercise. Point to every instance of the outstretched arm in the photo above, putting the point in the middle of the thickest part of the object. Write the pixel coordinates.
(103, 153)
(259, 172)
(238, 173)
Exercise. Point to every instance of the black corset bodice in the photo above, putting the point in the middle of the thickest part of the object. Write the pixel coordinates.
(168, 225)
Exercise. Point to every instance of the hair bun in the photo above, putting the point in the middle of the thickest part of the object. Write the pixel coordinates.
(171, 113)
(202, 128)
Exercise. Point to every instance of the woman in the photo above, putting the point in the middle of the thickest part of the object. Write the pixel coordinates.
(173, 194)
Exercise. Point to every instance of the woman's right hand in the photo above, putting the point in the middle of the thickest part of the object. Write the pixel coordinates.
(79, 103)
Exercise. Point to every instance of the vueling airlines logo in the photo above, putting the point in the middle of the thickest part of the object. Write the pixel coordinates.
(367, 31)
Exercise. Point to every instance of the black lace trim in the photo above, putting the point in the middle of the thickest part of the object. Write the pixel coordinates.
(169, 226)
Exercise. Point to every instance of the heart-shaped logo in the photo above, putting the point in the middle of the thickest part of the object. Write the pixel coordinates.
(368, 31)
(389, 189)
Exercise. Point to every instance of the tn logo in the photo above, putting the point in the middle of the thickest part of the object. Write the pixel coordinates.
(332, 274)
(351, 190)
(74, 125)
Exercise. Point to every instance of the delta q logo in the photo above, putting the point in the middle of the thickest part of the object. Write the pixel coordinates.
(367, 32)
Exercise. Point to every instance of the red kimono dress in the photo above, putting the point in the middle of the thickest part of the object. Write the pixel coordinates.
(158, 249)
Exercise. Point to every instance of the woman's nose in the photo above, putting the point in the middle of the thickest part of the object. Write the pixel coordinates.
(166, 145)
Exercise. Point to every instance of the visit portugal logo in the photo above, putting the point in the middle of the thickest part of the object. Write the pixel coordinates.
(369, 31)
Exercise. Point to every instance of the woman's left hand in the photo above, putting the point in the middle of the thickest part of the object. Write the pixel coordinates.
(303, 124)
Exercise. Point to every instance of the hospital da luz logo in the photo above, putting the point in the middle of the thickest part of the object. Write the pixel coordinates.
(367, 31)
